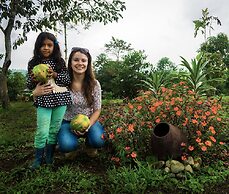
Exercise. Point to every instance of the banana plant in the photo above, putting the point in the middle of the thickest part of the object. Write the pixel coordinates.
(196, 75)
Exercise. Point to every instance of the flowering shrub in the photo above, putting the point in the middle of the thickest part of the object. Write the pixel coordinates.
(130, 126)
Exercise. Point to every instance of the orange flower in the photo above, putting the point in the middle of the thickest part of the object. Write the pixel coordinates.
(183, 144)
(127, 148)
(198, 140)
(191, 148)
(203, 123)
(204, 148)
(116, 159)
(119, 130)
(207, 113)
(131, 127)
(191, 92)
(194, 121)
(172, 102)
(198, 133)
(218, 119)
(208, 143)
(111, 136)
(214, 109)
(183, 158)
(133, 155)
(139, 107)
(211, 128)
(158, 120)
(221, 143)
(152, 109)
(130, 106)
(196, 116)
(186, 122)
(176, 108)
(178, 113)
(163, 89)
(199, 102)
(212, 138)
(102, 136)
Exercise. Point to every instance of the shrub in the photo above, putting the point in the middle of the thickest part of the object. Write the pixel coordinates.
(200, 118)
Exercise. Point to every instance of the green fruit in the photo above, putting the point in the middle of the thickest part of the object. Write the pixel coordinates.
(40, 73)
(80, 123)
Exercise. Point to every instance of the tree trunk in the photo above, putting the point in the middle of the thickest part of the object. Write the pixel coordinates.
(4, 91)
(4, 97)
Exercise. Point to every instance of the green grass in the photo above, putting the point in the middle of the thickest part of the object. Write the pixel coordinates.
(85, 175)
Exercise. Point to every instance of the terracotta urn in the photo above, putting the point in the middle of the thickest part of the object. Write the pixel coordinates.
(166, 141)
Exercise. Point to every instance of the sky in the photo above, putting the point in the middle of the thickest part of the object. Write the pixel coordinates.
(162, 28)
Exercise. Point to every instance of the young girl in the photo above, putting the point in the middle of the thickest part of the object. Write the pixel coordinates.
(51, 107)
(86, 99)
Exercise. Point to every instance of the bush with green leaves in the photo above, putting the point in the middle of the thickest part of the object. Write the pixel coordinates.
(200, 118)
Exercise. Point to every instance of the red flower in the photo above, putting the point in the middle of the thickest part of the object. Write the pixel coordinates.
(208, 143)
(119, 130)
(204, 148)
(191, 148)
(131, 127)
(212, 138)
(133, 155)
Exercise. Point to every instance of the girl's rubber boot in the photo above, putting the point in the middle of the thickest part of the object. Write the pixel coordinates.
(50, 148)
(39, 153)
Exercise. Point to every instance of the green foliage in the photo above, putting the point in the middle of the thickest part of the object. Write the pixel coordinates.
(145, 179)
(122, 78)
(164, 64)
(216, 52)
(201, 119)
(117, 47)
(204, 23)
(196, 76)
(16, 84)
(155, 80)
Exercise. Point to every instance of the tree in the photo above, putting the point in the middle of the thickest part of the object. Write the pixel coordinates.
(16, 84)
(216, 51)
(23, 16)
(164, 64)
(204, 23)
(117, 47)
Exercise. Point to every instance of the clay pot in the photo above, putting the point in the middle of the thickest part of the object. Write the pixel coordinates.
(166, 141)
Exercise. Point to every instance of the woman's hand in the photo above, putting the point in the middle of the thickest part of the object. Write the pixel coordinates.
(51, 73)
(82, 134)
(42, 89)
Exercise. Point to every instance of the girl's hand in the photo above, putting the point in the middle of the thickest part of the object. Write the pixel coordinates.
(42, 89)
(51, 73)
(80, 134)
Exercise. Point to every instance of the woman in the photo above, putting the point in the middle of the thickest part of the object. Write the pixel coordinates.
(85, 92)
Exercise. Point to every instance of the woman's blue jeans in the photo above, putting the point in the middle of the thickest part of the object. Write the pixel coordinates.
(69, 141)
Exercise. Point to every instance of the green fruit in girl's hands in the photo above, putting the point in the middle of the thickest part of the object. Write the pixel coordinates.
(80, 123)
(40, 73)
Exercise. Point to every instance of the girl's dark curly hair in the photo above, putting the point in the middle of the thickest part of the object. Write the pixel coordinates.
(55, 56)
(89, 80)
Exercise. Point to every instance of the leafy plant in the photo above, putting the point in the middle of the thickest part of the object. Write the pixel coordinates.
(199, 118)
(196, 76)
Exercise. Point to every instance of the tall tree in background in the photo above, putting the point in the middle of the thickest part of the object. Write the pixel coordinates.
(216, 51)
(164, 64)
(117, 47)
(23, 16)
(204, 24)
